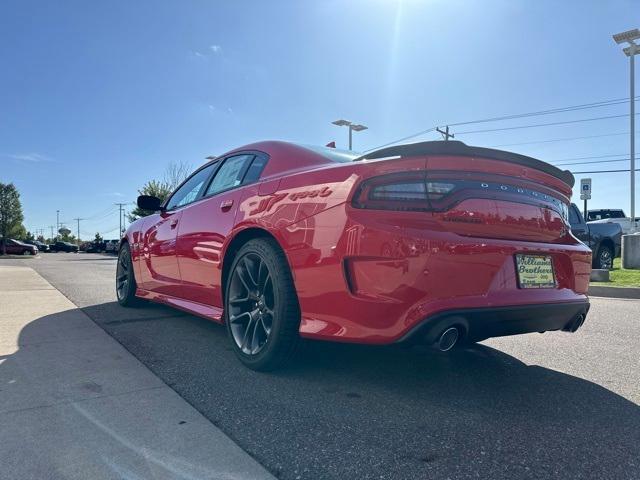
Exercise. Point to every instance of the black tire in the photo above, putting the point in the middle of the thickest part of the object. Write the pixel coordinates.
(125, 279)
(604, 258)
(269, 313)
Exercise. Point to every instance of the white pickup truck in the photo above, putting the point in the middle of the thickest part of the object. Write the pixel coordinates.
(614, 215)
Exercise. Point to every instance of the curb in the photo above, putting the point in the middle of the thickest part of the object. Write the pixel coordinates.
(614, 292)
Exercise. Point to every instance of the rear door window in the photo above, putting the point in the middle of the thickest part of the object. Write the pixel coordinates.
(230, 174)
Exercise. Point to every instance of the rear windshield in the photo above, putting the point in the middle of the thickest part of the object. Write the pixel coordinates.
(334, 154)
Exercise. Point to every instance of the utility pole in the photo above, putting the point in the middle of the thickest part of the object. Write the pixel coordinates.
(78, 237)
(630, 51)
(57, 222)
(51, 227)
(120, 209)
(445, 134)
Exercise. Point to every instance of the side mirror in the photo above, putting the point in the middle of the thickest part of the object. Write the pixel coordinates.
(147, 202)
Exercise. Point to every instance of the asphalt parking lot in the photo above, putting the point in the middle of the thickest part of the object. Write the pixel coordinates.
(535, 406)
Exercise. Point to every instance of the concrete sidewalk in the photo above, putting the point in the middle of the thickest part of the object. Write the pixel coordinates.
(74, 404)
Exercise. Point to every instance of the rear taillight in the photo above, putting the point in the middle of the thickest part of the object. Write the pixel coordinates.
(401, 191)
(421, 192)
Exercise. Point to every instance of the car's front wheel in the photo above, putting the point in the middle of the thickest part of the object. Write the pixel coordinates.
(604, 258)
(261, 306)
(125, 279)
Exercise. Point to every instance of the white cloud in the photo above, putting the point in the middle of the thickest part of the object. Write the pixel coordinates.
(29, 157)
(198, 54)
(216, 48)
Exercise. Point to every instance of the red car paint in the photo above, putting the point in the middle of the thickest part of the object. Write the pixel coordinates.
(367, 275)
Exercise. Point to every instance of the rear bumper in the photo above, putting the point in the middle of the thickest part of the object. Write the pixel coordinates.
(480, 323)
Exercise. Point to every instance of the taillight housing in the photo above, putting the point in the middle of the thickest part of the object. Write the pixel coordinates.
(406, 191)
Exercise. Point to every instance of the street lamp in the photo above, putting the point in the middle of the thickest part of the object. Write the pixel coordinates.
(353, 127)
(630, 51)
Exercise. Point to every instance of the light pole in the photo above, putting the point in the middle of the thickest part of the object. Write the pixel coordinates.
(353, 127)
(630, 51)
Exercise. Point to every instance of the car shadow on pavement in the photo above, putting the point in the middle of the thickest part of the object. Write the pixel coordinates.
(353, 411)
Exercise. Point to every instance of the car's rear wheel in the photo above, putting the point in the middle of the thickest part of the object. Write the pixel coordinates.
(261, 306)
(125, 279)
(604, 259)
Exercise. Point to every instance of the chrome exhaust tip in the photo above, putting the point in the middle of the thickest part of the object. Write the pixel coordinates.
(448, 339)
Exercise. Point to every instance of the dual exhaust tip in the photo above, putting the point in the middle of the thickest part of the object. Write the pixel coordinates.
(448, 339)
(451, 335)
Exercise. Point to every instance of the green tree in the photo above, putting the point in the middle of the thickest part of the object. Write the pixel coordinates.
(29, 237)
(174, 175)
(41, 238)
(98, 238)
(152, 188)
(11, 216)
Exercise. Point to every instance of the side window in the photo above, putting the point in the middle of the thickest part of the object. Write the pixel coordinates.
(229, 175)
(255, 169)
(574, 218)
(189, 190)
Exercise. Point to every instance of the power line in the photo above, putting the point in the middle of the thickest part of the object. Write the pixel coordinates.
(596, 161)
(565, 139)
(429, 130)
(103, 213)
(605, 171)
(566, 122)
(589, 158)
(603, 103)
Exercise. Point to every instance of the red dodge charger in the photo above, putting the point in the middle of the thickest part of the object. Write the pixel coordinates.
(434, 242)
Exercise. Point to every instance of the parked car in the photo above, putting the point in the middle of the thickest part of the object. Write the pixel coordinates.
(96, 247)
(64, 247)
(604, 239)
(434, 242)
(111, 246)
(42, 247)
(613, 216)
(16, 247)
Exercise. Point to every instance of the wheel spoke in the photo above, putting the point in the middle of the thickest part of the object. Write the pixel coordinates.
(247, 334)
(263, 273)
(248, 269)
(267, 330)
(245, 279)
(250, 304)
(255, 341)
(238, 300)
(236, 318)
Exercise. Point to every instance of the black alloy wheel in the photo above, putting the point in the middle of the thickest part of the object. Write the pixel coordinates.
(125, 279)
(261, 306)
(604, 260)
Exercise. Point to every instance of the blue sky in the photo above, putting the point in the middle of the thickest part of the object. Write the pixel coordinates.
(98, 97)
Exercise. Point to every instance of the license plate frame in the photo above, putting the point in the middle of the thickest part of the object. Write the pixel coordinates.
(535, 271)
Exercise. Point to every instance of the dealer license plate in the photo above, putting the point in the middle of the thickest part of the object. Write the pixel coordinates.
(535, 271)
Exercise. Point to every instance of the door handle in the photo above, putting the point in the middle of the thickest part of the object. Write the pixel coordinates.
(226, 205)
(173, 223)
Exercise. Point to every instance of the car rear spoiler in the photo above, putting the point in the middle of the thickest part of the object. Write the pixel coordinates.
(457, 148)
